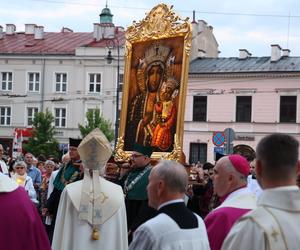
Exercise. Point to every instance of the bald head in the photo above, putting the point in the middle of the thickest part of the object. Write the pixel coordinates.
(173, 174)
(168, 180)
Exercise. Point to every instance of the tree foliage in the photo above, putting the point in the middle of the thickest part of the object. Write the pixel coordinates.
(42, 140)
(96, 120)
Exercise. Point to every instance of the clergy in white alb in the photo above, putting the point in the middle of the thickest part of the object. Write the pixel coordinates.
(91, 213)
(260, 225)
(275, 224)
(175, 227)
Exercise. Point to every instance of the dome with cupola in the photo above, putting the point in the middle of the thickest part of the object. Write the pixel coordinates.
(106, 16)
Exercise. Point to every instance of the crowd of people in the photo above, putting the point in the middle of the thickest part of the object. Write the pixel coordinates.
(232, 204)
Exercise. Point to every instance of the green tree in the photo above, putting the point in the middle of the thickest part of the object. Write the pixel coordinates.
(42, 140)
(96, 120)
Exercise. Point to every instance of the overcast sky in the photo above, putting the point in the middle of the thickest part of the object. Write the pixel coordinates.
(238, 24)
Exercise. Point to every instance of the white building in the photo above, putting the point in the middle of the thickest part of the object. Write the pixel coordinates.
(254, 96)
(65, 72)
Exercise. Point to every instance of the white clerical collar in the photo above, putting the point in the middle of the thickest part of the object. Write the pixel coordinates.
(170, 202)
(284, 188)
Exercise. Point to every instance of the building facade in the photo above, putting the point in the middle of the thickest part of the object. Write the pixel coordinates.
(65, 72)
(254, 96)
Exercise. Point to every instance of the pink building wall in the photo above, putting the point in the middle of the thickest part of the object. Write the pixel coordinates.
(221, 93)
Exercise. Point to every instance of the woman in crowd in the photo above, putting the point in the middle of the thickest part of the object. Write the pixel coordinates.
(21, 177)
(49, 167)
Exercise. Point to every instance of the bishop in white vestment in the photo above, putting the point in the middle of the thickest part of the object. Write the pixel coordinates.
(91, 213)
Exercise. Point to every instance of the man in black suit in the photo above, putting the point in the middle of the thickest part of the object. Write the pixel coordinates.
(175, 226)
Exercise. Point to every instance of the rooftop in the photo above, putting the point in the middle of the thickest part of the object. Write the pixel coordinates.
(248, 65)
(53, 43)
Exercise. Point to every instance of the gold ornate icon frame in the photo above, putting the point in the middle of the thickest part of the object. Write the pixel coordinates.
(160, 36)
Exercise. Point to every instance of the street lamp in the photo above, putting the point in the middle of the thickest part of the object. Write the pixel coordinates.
(111, 44)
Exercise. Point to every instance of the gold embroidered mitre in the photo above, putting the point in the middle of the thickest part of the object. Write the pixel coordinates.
(94, 150)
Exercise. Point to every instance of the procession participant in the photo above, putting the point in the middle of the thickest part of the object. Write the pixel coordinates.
(230, 184)
(69, 172)
(33, 171)
(134, 184)
(49, 166)
(175, 226)
(253, 184)
(23, 180)
(201, 191)
(91, 211)
(275, 223)
(3, 166)
(21, 226)
(48, 218)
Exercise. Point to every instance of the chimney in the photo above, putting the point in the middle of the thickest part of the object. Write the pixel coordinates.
(108, 30)
(244, 54)
(39, 32)
(1, 32)
(275, 52)
(286, 52)
(10, 29)
(97, 32)
(202, 25)
(29, 28)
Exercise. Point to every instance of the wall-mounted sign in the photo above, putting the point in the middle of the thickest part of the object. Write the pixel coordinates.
(244, 137)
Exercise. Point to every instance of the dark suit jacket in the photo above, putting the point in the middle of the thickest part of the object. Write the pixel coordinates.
(184, 218)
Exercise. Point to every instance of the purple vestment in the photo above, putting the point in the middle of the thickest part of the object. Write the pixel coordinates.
(21, 226)
(219, 222)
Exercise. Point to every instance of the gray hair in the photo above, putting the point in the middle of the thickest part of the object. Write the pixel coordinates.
(173, 174)
(49, 162)
(20, 163)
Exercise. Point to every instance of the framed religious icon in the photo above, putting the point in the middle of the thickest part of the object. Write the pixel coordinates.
(156, 71)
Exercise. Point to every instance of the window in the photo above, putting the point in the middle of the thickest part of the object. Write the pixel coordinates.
(60, 82)
(200, 108)
(34, 82)
(121, 82)
(31, 112)
(198, 152)
(60, 117)
(243, 108)
(94, 83)
(5, 116)
(288, 108)
(6, 81)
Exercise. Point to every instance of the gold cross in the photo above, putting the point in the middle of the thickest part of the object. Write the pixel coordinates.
(104, 197)
(92, 199)
(274, 234)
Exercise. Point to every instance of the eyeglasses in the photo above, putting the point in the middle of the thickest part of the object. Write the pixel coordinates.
(19, 167)
(135, 156)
